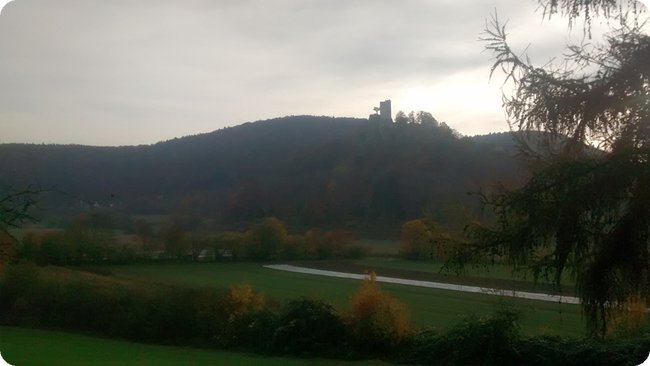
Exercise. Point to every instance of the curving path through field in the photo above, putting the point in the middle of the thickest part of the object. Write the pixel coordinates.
(430, 284)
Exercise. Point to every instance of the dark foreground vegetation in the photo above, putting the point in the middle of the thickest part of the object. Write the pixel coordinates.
(238, 318)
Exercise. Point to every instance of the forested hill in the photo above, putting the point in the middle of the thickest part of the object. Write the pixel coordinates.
(305, 170)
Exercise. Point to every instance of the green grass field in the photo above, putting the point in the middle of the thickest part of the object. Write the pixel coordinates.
(389, 247)
(496, 271)
(20, 347)
(429, 307)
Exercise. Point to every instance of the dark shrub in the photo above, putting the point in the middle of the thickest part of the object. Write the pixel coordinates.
(172, 315)
(17, 279)
(308, 327)
(254, 331)
(210, 317)
(476, 341)
(495, 341)
(18, 287)
(549, 351)
(78, 306)
(130, 315)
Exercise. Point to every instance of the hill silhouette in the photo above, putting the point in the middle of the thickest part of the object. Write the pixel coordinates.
(306, 170)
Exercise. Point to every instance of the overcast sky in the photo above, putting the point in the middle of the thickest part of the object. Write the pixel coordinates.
(122, 72)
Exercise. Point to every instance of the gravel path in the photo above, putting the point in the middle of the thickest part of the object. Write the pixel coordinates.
(430, 284)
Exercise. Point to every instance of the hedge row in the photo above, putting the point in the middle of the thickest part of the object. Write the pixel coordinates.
(495, 340)
(239, 318)
(235, 318)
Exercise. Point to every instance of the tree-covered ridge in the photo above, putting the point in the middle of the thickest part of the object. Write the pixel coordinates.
(308, 171)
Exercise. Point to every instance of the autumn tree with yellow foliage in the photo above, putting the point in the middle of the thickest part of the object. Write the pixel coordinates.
(241, 300)
(415, 242)
(377, 320)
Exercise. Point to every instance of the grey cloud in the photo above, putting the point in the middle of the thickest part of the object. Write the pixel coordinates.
(120, 67)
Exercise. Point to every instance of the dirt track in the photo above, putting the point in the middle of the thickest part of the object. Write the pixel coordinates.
(430, 284)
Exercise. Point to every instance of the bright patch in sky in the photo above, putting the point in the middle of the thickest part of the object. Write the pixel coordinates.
(471, 107)
(417, 98)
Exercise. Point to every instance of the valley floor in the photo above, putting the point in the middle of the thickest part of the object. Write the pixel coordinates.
(429, 307)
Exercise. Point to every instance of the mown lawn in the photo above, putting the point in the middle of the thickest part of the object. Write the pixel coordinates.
(429, 307)
(21, 346)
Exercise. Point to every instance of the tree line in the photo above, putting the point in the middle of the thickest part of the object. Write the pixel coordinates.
(92, 238)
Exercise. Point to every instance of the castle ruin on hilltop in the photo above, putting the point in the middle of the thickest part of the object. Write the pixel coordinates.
(382, 113)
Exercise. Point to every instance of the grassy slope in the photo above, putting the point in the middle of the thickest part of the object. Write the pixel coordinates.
(429, 307)
(21, 346)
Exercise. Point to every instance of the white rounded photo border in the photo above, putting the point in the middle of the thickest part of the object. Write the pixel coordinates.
(3, 3)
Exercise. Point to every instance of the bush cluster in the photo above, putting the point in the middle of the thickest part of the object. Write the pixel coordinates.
(269, 240)
(485, 341)
(495, 340)
(377, 321)
(425, 239)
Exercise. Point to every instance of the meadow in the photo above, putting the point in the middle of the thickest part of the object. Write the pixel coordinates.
(22, 346)
(482, 270)
(491, 275)
(434, 308)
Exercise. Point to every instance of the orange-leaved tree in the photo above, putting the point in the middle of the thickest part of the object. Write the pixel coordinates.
(241, 300)
(416, 239)
(377, 320)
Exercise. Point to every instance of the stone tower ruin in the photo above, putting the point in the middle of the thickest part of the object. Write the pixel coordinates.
(382, 113)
